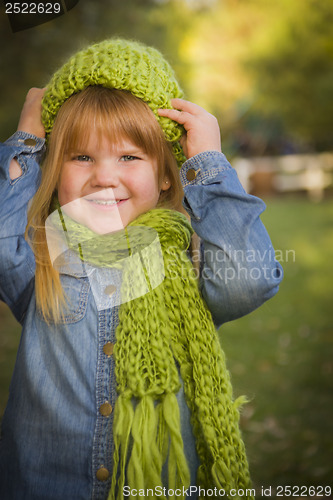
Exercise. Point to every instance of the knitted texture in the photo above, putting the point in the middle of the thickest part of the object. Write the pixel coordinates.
(168, 327)
(123, 65)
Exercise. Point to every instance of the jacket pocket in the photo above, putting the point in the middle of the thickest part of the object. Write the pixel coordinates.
(76, 292)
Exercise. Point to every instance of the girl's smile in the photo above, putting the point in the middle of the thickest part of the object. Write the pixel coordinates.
(106, 186)
(103, 201)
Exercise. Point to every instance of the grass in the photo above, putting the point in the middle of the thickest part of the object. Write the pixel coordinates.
(280, 356)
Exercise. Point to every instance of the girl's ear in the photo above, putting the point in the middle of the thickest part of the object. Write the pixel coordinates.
(165, 184)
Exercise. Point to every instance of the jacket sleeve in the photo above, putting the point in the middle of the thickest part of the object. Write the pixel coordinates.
(17, 263)
(238, 269)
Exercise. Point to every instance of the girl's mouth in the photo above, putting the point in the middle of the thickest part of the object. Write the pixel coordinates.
(105, 202)
(101, 204)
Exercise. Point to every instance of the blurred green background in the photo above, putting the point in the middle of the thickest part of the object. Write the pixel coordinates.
(265, 69)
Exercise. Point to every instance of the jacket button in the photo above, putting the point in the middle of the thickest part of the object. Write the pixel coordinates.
(105, 409)
(30, 142)
(102, 474)
(191, 174)
(108, 348)
(109, 290)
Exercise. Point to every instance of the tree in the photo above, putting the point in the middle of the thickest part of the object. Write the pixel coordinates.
(294, 71)
(266, 70)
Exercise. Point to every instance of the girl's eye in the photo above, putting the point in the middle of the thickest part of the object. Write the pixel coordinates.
(129, 158)
(82, 158)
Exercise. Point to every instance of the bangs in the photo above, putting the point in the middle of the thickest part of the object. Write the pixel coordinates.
(112, 114)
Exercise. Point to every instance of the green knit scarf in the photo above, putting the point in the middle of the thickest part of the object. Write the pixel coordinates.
(166, 328)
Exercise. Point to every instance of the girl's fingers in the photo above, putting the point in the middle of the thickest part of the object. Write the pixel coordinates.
(30, 118)
(188, 106)
(176, 115)
(186, 113)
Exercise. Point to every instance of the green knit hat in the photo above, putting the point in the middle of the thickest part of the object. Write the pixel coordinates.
(123, 65)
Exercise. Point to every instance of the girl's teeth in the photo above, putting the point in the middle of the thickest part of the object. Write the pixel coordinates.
(105, 202)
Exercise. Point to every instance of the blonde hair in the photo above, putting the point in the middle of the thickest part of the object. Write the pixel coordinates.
(116, 115)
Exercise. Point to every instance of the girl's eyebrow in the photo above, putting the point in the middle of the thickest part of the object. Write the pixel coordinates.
(129, 149)
(131, 153)
(72, 151)
(82, 151)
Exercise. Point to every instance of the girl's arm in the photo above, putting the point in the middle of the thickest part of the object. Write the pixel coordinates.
(19, 180)
(238, 267)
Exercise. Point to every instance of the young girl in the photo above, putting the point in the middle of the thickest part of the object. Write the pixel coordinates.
(120, 386)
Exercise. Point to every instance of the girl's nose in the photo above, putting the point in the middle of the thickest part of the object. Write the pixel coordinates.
(105, 174)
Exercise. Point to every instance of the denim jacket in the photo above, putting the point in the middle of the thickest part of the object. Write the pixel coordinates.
(56, 436)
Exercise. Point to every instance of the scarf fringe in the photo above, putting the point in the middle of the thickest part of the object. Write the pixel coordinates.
(178, 470)
(123, 420)
(152, 433)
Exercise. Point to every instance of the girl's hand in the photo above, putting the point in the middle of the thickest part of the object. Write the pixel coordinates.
(31, 115)
(202, 128)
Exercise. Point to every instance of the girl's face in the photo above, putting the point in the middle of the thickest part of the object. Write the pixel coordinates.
(106, 186)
